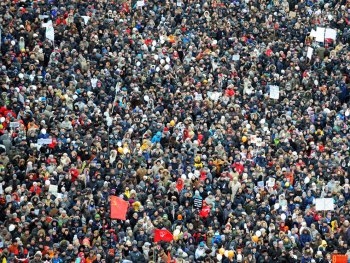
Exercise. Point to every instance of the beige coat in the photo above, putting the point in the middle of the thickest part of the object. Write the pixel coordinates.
(235, 185)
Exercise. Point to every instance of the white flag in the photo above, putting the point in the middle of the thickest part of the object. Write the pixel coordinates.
(331, 33)
(86, 19)
(310, 51)
(50, 33)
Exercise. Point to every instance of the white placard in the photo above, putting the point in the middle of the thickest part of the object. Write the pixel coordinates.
(214, 95)
(274, 92)
(179, 3)
(1, 190)
(271, 182)
(331, 33)
(253, 138)
(41, 17)
(14, 124)
(324, 204)
(44, 141)
(50, 33)
(235, 57)
(198, 96)
(310, 51)
(53, 189)
(140, 3)
(320, 31)
(258, 141)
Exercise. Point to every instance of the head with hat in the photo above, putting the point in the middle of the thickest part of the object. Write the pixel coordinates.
(38, 255)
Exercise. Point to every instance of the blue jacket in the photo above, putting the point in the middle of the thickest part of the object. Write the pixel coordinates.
(57, 260)
(43, 136)
(306, 259)
(157, 137)
(304, 238)
(309, 220)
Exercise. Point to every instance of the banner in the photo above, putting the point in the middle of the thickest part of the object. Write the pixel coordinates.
(320, 31)
(331, 34)
(324, 204)
(44, 141)
(119, 207)
(163, 235)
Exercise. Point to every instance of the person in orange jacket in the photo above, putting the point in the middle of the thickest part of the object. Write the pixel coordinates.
(13, 248)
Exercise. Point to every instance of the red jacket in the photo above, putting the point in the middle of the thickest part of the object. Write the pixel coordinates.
(35, 189)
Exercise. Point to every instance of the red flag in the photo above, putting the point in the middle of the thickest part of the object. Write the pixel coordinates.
(336, 258)
(162, 235)
(119, 208)
(268, 52)
(205, 211)
(179, 184)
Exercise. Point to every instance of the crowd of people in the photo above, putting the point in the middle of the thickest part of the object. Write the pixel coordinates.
(169, 105)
